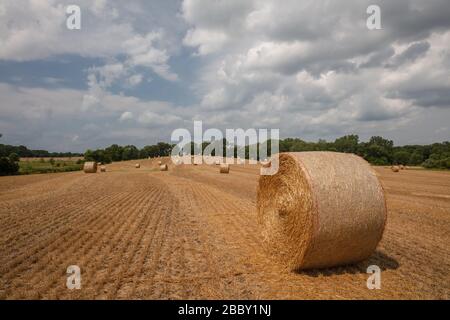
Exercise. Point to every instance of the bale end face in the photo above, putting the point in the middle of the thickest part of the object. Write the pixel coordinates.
(137, 165)
(321, 209)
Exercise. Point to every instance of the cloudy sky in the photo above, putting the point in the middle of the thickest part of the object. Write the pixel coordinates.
(139, 69)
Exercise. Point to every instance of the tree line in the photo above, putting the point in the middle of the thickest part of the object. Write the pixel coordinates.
(24, 152)
(377, 151)
(10, 156)
(129, 152)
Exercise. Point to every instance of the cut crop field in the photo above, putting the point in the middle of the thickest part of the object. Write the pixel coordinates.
(192, 233)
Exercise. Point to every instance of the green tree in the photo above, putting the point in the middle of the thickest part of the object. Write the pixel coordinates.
(415, 159)
(378, 150)
(8, 167)
(380, 141)
(347, 144)
(14, 157)
(401, 157)
(150, 151)
(430, 163)
(164, 149)
(130, 152)
(89, 155)
(115, 152)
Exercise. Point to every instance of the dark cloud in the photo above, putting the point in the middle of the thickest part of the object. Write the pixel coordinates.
(378, 58)
(411, 21)
(413, 52)
(438, 96)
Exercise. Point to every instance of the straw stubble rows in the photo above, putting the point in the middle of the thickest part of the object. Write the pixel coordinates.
(192, 233)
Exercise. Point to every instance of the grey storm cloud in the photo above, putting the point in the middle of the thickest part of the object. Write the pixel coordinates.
(426, 97)
(413, 52)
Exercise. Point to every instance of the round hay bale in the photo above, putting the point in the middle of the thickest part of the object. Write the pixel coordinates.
(402, 167)
(395, 168)
(90, 167)
(160, 162)
(137, 165)
(321, 209)
(102, 169)
(163, 167)
(224, 168)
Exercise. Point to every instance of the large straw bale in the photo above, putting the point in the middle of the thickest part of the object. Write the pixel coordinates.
(321, 209)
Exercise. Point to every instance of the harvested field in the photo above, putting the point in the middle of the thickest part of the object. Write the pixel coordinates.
(191, 233)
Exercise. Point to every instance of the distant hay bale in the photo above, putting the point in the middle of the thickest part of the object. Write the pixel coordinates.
(90, 167)
(137, 165)
(395, 168)
(321, 209)
(163, 167)
(159, 162)
(102, 169)
(402, 167)
(224, 168)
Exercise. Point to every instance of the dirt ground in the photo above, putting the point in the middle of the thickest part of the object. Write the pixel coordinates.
(191, 233)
